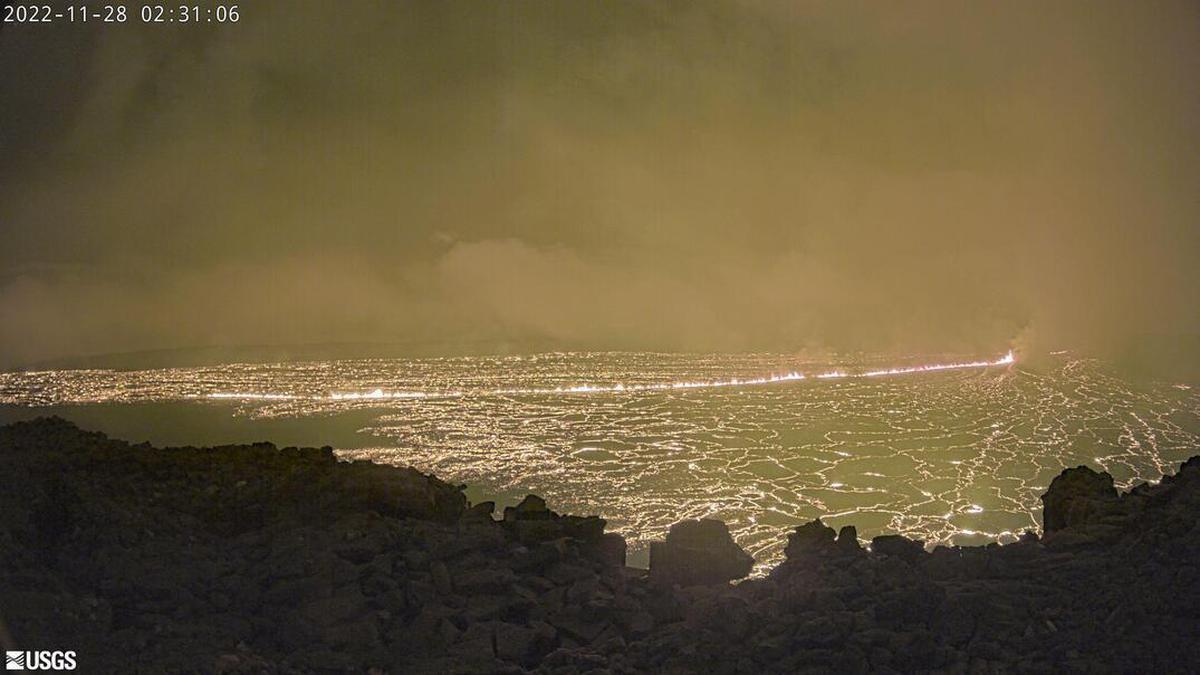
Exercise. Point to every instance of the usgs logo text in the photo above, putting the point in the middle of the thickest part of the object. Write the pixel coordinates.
(42, 660)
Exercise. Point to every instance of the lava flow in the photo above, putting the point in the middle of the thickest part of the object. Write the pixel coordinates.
(793, 376)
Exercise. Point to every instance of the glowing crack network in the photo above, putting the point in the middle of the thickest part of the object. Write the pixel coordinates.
(957, 450)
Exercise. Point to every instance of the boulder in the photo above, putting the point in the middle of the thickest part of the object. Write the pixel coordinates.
(532, 507)
(585, 528)
(611, 549)
(440, 576)
(397, 492)
(1075, 497)
(514, 642)
(898, 546)
(488, 580)
(847, 540)
(810, 538)
(698, 552)
(479, 513)
(532, 523)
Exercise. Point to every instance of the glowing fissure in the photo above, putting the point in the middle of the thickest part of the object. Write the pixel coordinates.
(793, 376)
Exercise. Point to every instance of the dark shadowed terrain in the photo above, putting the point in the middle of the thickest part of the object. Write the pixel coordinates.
(259, 559)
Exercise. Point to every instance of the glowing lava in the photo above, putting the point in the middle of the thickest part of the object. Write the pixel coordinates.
(1002, 361)
(793, 376)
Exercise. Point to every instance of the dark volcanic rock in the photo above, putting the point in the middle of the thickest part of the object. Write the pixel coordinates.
(252, 559)
(611, 549)
(899, 546)
(698, 552)
(480, 513)
(811, 538)
(532, 507)
(847, 539)
(1076, 496)
(533, 524)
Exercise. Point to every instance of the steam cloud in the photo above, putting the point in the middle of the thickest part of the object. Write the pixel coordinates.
(716, 175)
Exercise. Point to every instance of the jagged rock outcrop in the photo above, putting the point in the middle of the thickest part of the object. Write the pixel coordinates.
(909, 550)
(816, 538)
(224, 559)
(809, 539)
(698, 552)
(531, 522)
(251, 559)
(847, 539)
(1076, 496)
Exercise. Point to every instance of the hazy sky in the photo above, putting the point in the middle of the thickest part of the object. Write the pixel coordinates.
(672, 175)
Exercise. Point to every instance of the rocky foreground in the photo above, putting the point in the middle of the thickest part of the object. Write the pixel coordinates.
(250, 559)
